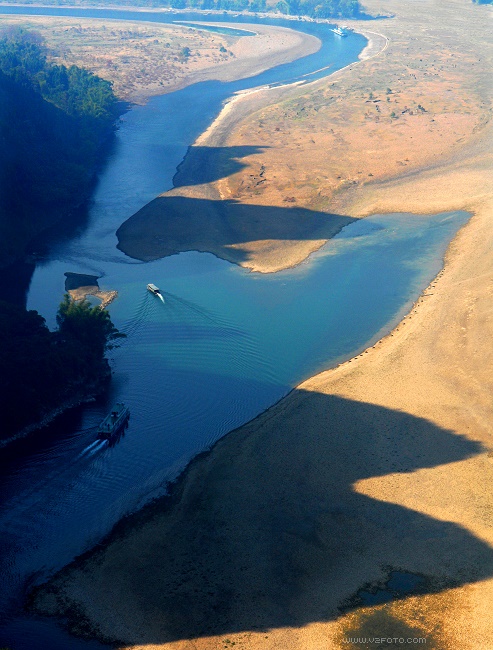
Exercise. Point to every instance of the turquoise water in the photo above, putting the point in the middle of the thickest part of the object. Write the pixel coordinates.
(226, 343)
(223, 346)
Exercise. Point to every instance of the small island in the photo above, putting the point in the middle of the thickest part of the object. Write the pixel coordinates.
(80, 286)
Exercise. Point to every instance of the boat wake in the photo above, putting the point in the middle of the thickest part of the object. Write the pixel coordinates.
(93, 448)
(101, 444)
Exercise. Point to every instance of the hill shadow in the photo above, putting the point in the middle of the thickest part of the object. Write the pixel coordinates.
(208, 164)
(269, 531)
(231, 230)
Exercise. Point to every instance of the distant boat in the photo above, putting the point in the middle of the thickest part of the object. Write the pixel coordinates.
(115, 421)
(153, 289)
(339, 31)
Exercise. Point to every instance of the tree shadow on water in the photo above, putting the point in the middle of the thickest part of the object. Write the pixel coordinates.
(268, 531)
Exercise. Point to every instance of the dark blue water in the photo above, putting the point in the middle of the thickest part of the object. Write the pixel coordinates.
(223, 346)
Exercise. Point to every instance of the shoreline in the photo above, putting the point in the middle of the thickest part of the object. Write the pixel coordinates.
(83, 397)
(75, 621)
(251, 55)
(266, 53)
(372, 49)
(260, 256)
(415, 409)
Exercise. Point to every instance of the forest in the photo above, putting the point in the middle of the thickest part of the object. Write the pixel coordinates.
(54, 124)
(40, 369)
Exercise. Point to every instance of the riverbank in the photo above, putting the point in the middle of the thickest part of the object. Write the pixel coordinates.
(201, 214)
(83, 394)
(381, 464)
(146, 59)
(418, 96)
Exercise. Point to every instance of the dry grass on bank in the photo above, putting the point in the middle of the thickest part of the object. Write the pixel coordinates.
(135, 56)
(145, 59)
(421, 100)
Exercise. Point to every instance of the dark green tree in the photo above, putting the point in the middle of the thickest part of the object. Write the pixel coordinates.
(87, 326)
(40, 370)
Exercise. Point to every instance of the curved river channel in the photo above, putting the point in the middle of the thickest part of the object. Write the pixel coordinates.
(225, 344)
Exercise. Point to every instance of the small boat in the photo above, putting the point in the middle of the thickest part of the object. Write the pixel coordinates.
(153, 289)
(339, 31)
(116, 420)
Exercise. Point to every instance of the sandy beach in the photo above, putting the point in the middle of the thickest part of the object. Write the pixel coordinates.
(379, 467)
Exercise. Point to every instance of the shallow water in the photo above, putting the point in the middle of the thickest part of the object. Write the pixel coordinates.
(223, 346)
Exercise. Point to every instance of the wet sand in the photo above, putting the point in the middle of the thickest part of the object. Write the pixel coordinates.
(385, 462)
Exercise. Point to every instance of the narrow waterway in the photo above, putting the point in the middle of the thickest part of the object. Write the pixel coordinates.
(224, 345)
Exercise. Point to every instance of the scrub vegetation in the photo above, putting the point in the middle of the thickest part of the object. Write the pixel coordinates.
(323, 9)
(312, 8)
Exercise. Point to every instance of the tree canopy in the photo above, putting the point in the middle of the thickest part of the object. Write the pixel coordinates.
(77, 92)
(86, 325)
(312, 8)
(40, 369)
(54, 122)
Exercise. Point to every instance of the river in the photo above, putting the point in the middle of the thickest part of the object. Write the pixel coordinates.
(223, 346)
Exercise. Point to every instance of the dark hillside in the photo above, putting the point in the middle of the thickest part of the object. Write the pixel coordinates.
(54, 122)
(42, 371)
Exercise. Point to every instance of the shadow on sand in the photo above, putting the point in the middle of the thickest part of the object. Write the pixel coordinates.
(208, 164)
(268, 531)
(229, 229)
(190, 217)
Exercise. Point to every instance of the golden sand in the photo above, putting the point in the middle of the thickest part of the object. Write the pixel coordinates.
(384, 463)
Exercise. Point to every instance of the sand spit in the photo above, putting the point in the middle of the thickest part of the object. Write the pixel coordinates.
(381, 465)
(270, 47)
(80, 286)
(262, 237)
(106, 297)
